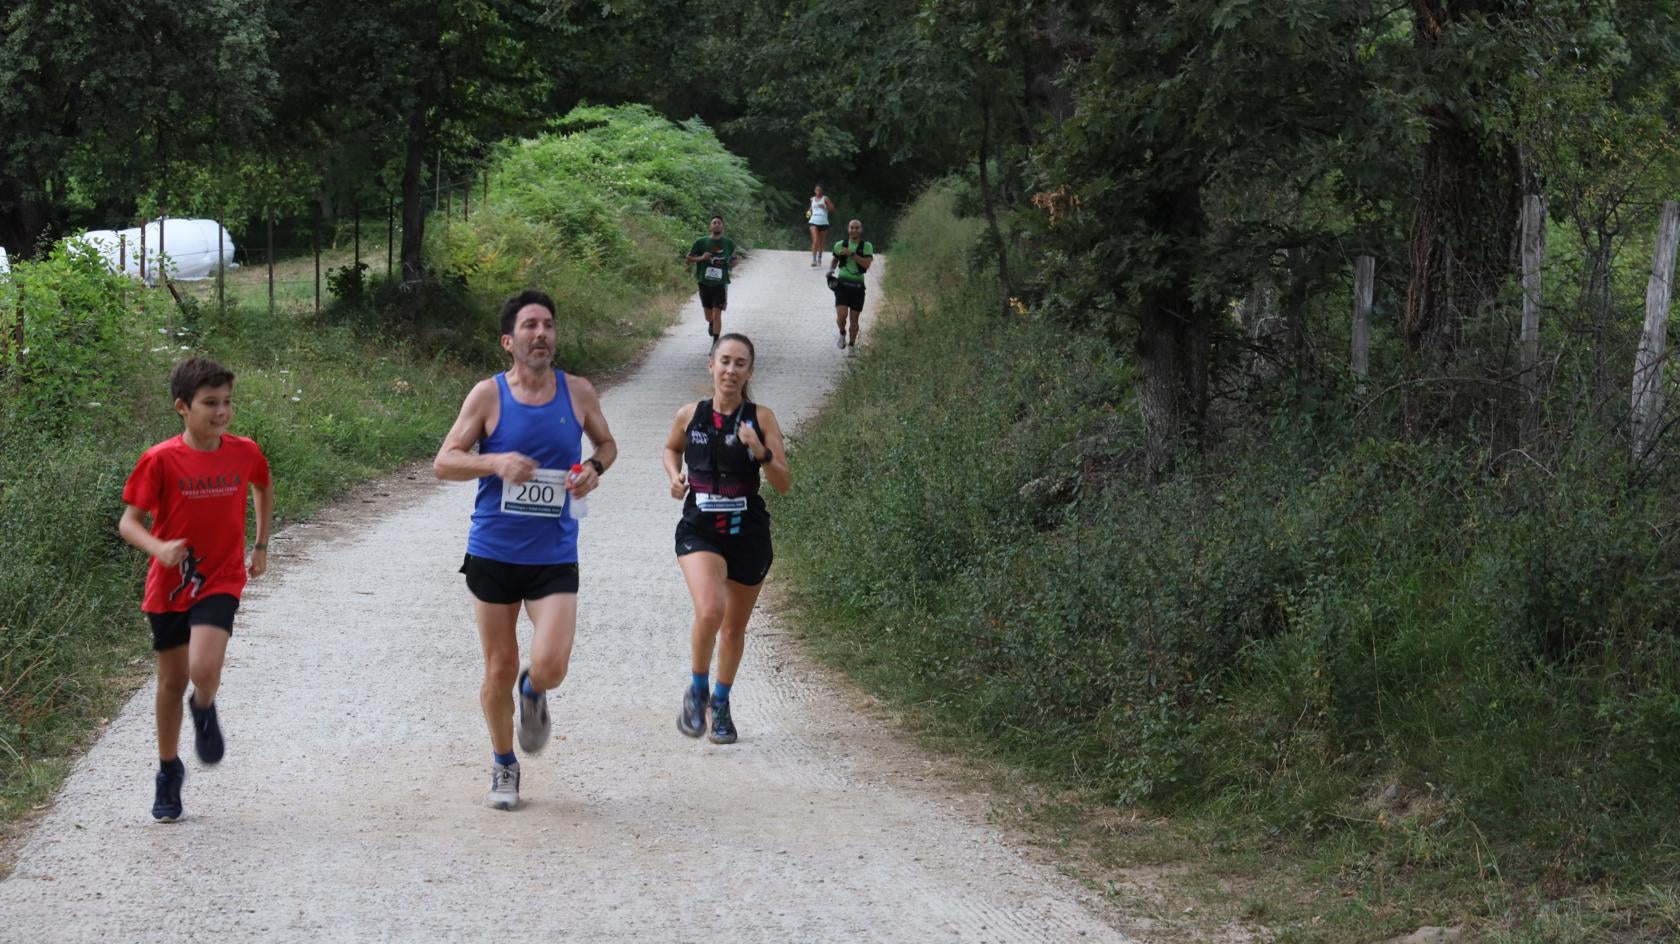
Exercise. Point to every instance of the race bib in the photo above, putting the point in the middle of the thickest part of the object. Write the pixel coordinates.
(542, 497)
(715, 273)
(718, 504)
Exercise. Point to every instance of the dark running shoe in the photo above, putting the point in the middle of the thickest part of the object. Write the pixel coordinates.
(723, 727)
(166, 802)
(207, 732)
(692, 720)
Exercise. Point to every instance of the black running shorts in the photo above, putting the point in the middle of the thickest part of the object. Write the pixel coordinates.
(175, 629)
(495, 581)
(848, 294)
(714, 296)
(747, 556)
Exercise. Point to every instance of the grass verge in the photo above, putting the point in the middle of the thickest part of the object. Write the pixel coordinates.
(1351, 685)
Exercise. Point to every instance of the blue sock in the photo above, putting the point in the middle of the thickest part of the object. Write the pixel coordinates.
(527, 690)
(505, 760)
(720, 691)
(699, 681)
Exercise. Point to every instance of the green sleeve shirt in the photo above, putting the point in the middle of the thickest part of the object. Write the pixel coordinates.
(713, 273)
(849, 270)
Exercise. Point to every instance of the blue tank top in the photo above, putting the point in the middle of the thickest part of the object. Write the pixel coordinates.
(551, 435)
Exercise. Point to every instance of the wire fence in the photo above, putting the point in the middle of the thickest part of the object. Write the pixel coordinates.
(298, 263)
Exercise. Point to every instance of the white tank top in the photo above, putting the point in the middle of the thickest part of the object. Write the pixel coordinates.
(819, 211)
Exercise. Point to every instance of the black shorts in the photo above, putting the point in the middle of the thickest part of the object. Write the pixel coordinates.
(175, 629)
(821, 227)
(747, 556)
(848, 294)
(495, 581)
(714, 296)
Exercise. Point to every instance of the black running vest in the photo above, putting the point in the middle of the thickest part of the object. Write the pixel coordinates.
(723, 479)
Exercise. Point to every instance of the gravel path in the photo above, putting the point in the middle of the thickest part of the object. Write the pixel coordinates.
(348, 806)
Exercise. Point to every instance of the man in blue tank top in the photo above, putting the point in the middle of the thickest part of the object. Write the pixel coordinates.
(527, 427)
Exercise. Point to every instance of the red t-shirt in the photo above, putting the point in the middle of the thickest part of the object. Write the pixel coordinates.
(198, 496)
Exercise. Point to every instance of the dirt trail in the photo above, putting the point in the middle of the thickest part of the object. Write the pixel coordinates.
(348, 806)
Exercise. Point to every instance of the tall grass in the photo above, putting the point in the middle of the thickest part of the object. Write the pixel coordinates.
(1367, 647)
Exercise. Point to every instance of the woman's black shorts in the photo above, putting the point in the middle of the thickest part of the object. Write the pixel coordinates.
(848, 294)
(747, 556)
(175, 629)
(495, 581)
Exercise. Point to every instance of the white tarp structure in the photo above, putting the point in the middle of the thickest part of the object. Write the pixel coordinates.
(189, 247)
(5, 267)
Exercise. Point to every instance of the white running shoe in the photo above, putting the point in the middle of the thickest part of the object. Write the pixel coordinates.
(534, 725)
(504, 787)
(841, 342)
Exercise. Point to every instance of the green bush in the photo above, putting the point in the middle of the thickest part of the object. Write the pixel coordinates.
(599, 213)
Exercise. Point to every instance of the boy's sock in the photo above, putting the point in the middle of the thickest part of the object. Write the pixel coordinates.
(506, 760)
(699, 680)
(720, 691)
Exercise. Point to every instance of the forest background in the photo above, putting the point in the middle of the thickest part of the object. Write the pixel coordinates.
(1364, 564)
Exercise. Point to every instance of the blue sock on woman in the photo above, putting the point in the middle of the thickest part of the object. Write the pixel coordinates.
(720, 692)
(698, 682)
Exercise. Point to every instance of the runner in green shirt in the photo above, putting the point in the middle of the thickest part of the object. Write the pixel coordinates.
(712, 257)
(852, 258)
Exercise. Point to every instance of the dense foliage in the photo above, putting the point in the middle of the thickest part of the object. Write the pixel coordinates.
(1312, 633)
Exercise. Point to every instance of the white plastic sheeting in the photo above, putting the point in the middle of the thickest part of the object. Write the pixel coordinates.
(5, 266)
(189, 247)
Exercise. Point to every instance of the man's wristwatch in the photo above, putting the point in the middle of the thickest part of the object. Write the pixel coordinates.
(599, 468)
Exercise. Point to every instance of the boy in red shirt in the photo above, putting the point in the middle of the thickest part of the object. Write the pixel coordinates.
(193, 485)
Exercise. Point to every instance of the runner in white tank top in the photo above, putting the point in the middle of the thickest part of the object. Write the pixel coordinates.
(816, 219)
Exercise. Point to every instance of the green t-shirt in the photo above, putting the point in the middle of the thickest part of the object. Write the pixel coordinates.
(713, 273)
(848, 269)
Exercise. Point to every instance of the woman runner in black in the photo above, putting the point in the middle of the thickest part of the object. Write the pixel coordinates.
(723, 539)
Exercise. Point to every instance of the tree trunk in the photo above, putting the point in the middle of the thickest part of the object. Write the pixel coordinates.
(1595, 298)
(1005, 289)
(414, 212)
(1467, 207)
(1174, 341)
(1467, 210)
(25, 223)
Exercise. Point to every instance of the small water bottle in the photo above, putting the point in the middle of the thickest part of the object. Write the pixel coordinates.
(577, 506)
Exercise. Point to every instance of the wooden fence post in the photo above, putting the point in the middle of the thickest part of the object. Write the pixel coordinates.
(271, 264)
(163, 274)
(390, 233)
(221, 260)
(1648, 363)
(1364, 289)
(315, 246)
(1533, 261)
